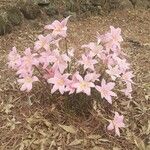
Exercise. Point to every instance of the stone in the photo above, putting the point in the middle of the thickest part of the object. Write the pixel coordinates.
(133, 2)
(30, 10)
(51, 10)
(72, 6)
(14, 15)
(98, 2)
(43, 2)
(120, 4)
(5, 26)
(144, 4)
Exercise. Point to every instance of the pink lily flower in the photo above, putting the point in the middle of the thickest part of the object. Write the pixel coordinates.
(113, 38)
(88, 62)
(116, 123)
(27, 83)
(128, 90)
(59, 28)
(127, 77)
(45, 58)
(106, 59)
(29, 58)
(105, 90)
(83, 85)
(60, 61)
(43, 42)
(123, 65)
(14, 59)
(59, 82)
(25, 69)
(94, 47)
(93, 76)
(69, 87)
(50, 72)
(114, 72)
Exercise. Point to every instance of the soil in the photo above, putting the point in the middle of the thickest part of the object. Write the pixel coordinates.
(31, 121)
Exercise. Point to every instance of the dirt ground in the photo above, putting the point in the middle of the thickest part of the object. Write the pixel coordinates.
(33, 122)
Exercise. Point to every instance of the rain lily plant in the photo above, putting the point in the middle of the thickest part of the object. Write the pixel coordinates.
(102, 66)
(116, 123)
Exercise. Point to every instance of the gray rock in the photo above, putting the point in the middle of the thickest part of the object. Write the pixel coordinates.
(43, 2)
(30, 10)
(98, 2)
(120, 4)
(142, 4)
(51, 10)
(72, 6)
(5, 26)
(14, 15)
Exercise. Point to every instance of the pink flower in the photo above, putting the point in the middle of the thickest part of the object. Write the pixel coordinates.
(50, 72)
(113, 38)
(123, 65)
(25, 69)
(60, 61)
(43, 42)
(95, 47)
(127, 77)
(59, 28)
(105, 90)
(93, 76)
(45, 58)
(69, 87)
(60, 81)
(116, 123)
(88, 62)
(106, 58)
(27, 83)
(29, 58)
(14, 59)
(114, 72)
(116, 34)
(83, 85)
(128, 90)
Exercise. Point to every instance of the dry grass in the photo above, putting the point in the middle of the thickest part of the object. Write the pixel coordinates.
(33, 121)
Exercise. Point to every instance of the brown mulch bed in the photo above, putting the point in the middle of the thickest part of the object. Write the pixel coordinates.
(32, 121)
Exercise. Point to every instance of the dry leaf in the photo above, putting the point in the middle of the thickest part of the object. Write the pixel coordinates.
(7, 108)
(139, 143)
(12, 123)
(76, 142)
(69, 129)
(148, 147)
(148, 128)
(116, 148)
(21, 146)
(94, 137)
(98, 148)
(48, 124)
(103, 140)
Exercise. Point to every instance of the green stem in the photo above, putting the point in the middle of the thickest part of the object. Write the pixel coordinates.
(66, 47)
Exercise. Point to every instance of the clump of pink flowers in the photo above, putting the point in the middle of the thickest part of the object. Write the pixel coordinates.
(103, 66)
